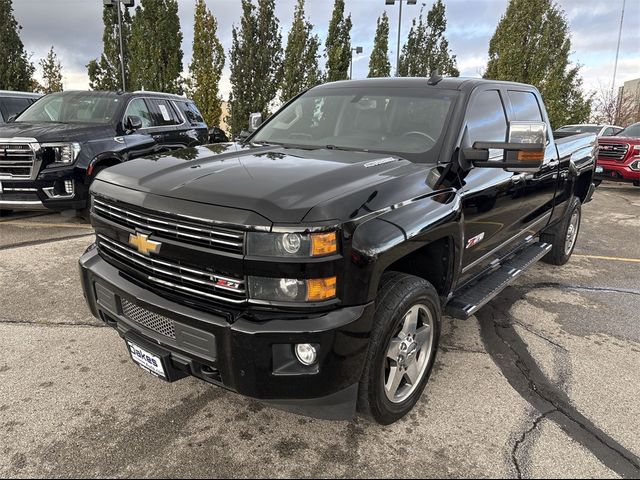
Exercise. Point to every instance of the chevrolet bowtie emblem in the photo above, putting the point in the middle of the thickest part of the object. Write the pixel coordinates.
(143, 244)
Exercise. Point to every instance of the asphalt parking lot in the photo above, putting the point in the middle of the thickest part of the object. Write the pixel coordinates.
(542, 383)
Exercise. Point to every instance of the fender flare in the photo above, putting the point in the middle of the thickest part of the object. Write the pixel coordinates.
(103, 157)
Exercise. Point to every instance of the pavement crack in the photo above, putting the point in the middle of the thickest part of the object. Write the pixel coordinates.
(539, 335)
(562, 286)
(7, 321)
(458, 348)
(522, 439)
(31, 243)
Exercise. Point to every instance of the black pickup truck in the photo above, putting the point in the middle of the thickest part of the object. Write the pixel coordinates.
(310, 266)
(52, 152)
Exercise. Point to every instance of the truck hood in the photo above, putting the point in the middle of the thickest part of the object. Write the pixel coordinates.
(282, 185)
(616, 139)
(54, 131)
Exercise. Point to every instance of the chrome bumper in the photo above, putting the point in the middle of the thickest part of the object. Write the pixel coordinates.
(21, 205)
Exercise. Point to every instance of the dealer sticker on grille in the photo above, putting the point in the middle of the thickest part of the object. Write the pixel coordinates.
(149, 362)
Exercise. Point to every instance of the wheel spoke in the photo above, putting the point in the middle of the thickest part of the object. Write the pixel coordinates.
(423, 336)
(395, 377)
(413, 372)
(394, 349)
(411, 321)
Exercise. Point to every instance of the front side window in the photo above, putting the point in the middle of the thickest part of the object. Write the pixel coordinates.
(73, 107)
(138, 108)
(408, 122)
(525, 106)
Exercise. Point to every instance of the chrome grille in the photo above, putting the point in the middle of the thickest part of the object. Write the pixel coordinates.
(613, 151)
(153, 321)
(188, 279)
(16, 160)
(163, 226)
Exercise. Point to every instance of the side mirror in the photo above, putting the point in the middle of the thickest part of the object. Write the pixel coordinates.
(133, 123)
(255, 120)
(12, 118)
(524, 152)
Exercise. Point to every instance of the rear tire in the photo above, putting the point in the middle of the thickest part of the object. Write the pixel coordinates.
(5, 213)
(402, 348)
(636, 183)
(564, 236)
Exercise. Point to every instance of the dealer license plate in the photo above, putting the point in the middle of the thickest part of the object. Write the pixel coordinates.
(148, 361)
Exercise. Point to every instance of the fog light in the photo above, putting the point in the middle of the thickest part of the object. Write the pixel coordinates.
(306, 353)
(68, 186)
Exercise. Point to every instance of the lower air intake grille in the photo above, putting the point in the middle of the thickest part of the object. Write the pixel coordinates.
(153, 321)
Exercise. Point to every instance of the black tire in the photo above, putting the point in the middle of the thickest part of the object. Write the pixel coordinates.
(558, 237)
(4, 212)
(397, 295)
(636, 183)
(84, 213)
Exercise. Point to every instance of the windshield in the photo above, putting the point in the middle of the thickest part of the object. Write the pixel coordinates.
(407, 122)
(630, 131)
(581, 128)
(73, 107)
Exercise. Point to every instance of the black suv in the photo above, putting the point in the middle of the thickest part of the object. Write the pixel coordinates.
(52, 152)
(13, 103)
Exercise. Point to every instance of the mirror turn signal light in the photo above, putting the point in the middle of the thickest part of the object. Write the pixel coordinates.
(530, 155)
(319, 289)
(323, 244)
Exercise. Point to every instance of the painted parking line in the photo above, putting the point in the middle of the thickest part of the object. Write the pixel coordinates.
(48, 225)
(602, 257)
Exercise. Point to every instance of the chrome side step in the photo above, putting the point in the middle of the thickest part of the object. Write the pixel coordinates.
(475, 296)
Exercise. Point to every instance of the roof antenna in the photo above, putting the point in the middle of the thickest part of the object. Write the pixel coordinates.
(435, 78)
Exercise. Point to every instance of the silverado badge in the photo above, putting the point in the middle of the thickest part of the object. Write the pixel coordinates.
(142, 243)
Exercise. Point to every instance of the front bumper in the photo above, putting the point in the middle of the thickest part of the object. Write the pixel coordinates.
(618, 171)
(253, 358)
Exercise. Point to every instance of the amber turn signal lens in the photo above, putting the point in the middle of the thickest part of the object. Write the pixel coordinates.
(323, 244)
(530, 155)
(319, 289)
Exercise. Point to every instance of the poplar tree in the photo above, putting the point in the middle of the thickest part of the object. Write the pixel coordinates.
(338, 44)
(427, 48)
(51, 73)
(379, 65)
(105, 73)
(207, 64)
(155, 49)
(300, 68)
(532, 45)
(16, 71)
(256, 63)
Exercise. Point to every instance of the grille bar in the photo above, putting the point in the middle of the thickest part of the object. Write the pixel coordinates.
(164, 227)
(17, 160)
(168, 274)
(153, 321)
(613, 151)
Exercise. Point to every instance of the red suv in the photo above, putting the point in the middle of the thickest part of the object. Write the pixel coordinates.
(619, 157)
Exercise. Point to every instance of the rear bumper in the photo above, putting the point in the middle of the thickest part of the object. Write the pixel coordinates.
(621, 172)
(253, 358)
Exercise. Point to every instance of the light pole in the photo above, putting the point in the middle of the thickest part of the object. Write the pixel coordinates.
(358, 50)
(393, 2)
(116, 3)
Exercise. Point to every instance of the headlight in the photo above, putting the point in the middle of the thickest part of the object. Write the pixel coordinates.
(291, 244)
(292, 290)
(61, 152)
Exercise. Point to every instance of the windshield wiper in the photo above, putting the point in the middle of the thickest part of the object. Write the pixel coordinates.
(346, 149)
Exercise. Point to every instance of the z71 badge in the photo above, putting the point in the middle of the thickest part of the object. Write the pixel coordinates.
(472, 242)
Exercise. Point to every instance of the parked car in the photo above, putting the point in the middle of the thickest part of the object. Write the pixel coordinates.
(310, 266)
(14, 103)
(619, 157)
(52, 152)
(599, 130)
(217, 135)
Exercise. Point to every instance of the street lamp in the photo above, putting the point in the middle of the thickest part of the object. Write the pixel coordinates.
(358, 50)
(116, 3)
(393, 2)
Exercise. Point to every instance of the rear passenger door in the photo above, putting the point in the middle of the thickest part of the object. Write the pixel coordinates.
(170, 122)
(194, 128)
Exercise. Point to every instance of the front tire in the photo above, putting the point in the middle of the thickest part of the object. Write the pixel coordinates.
(5, 213)
(563, 238)
(402, 348)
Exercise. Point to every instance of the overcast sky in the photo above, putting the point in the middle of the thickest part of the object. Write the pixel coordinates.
(74, 28)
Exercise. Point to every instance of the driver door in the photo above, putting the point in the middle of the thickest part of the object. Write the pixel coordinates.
(150, 138)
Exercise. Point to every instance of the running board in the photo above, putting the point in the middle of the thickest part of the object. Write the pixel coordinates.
(474, 297)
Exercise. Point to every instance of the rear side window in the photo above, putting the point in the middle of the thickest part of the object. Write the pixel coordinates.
(486, 120)
(163, 113)
(525, 106)
(191, 113)
(13, 106)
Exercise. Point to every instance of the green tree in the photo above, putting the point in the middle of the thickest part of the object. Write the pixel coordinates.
(300, 68)
(256, 63)
(155, 60)
(427, 49)
(51, 73)
(16, 71)
(532, 45)
(207, 64)
(105, 73)
(338, 44)
(379, 65)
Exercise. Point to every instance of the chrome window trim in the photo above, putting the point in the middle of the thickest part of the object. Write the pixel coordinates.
(160, 128)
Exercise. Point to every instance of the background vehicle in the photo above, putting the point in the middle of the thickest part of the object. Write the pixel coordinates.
(13, 103)
(619, 156)
(52, 152)
(310, 266)
(599, 130)
(217, 135)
